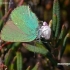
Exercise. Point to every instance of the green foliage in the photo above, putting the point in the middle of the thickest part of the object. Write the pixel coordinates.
(42, 45)
(10, 54)
(56, 17)
(63, 32)
(36, 66)
(61, 36)
(15, 46)
(40, 50)
(28, 68)
(35, 49)
(8, 57)
(19, 60)
(54, 22)
(12, 64)
(64, 44)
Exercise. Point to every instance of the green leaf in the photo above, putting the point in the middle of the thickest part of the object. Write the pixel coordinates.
(54, 22)
(54, 17)
(50, 57)
(58, 18)
(28, 68)
(19, 60)
(40, 44)
(35, 49)
(46, 44)
(64, 45)
(40, 50)
(36, 66)
(8, 57)
(12, 66)
(54, 6)
(61, 37)
(56, 11)
(15, 46)
(63, 32)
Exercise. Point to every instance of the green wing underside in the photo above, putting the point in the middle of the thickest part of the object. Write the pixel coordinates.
(12, 33)
(22, 27)
(24, 18)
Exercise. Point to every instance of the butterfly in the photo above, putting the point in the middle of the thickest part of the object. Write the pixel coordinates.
(23, 26)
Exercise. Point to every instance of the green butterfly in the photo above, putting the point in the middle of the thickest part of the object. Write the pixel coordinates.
(22, 27)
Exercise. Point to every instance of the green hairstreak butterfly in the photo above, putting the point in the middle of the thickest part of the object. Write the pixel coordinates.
(24, 27)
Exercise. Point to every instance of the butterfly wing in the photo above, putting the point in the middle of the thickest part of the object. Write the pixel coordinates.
(12, 33)
(24, 18)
